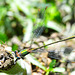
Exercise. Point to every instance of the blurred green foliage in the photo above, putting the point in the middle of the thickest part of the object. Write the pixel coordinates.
(21, 17)
(52, 13)
(14, 47)
(3, 38)
(16, 15)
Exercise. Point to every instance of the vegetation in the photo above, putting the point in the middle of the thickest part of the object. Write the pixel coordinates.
(25, 20)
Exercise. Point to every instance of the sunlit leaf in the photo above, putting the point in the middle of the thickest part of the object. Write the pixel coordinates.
(34, 61)
(14, 47)
(18, 69)
(27, 34)
(3, 37)
(22, 7)
(3, 12)
(51, 65)
(55, 26)
(58, 69)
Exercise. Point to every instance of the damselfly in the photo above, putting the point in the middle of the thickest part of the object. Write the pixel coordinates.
(30, 50)
(36, 32)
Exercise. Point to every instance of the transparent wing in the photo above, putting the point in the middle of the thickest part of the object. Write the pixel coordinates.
(37, 29)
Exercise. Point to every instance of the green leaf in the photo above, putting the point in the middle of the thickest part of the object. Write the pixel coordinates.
(23, 7)
(18, 69)
(3, 37)
(58, 69)
(3, 12)
(27, 34)
(55, 26)
(53, 14)
(14, 47)
(51, 65)
(34, 61)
